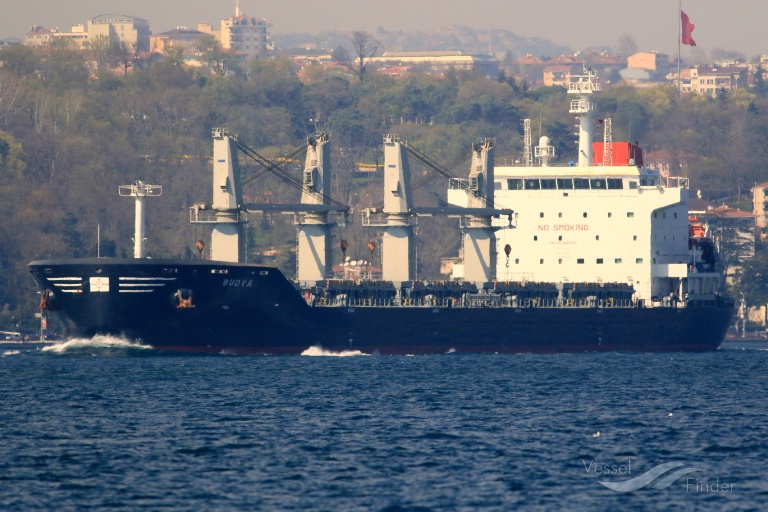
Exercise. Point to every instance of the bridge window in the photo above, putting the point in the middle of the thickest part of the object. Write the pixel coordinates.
(597, 184)
(615, 183)
(514, 184)
(565, 183)
(548, 184)
(581, 183)
(532, 184)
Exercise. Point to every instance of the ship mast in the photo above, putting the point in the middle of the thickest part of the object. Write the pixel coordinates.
(139, 190)
(582, 87)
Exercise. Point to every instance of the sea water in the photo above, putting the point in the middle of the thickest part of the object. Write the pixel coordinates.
(104, 424)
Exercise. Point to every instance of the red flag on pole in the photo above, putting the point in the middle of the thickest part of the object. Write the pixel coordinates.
(686, 35)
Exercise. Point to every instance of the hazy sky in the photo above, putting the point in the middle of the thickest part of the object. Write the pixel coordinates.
(730, 25)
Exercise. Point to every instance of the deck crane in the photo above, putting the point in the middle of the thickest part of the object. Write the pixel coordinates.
(396, 216)
(311, 213)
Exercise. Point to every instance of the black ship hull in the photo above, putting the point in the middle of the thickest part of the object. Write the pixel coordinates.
(207, 306)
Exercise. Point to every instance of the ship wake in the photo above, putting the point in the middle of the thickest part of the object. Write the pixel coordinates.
(318, 351)
(99, 345)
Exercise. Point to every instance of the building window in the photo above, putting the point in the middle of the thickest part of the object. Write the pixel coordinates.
(560, 238)
(610, 215)
(634, 237)
(584, 214)
(597, 237)
(517, 260)
(541, 215)
(541, 261)
(560, 214)
(535, 238)
(560, 260)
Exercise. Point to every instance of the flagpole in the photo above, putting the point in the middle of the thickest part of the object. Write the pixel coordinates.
(679, 42)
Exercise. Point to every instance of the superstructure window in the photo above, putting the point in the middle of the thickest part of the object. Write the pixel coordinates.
(599, 261)
(532, 184)
(581, 183)
(630, 214)
(617, 260)
(514, 184)
(615, 183)
(597, 184)
(580, 261)
(548, 184)
(565, 183)
(638, 260)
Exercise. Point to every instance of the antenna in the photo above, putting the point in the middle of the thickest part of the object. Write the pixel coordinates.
(139, 190)
(608, 142)
(527, 143)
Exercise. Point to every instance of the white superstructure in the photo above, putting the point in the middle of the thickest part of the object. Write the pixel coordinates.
(591, 223)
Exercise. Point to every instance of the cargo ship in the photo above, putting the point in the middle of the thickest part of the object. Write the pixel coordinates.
(593, 255)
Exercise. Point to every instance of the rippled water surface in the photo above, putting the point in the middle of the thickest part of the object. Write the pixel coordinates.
(101, 424)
